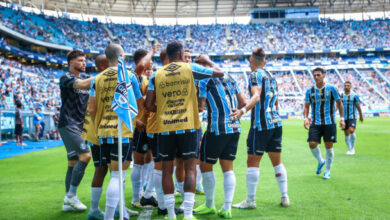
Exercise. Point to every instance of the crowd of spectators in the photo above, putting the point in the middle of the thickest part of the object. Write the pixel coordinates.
(285, 35)
(28, 85)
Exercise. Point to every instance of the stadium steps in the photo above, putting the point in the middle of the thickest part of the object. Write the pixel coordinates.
(338, 73)
(373, 87)
(381, 75)
(296, 81)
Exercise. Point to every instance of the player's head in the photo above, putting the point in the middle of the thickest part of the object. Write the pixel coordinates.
(139, 54)
(112, 52)
(164, 57)
(38, 109)
(347, 86)
(101, 62)
(76, 60)
(18, 104)
(319, 74)
(257, 60)
(187, 56)
(148, 71)
(175, 51)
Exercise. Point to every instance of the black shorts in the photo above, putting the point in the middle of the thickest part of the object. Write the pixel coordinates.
(328, 132)
(18, 130)
(74, 143)
(111, 151)
(186, 144)
(350, 123)
(100, 155)
(140, 142)
(259, 142)
(152, 143)
(223, 146)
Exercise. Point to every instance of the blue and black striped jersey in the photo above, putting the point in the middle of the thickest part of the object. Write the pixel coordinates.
(221, 94)
(322, 103)
(264, 116)
(350, 101)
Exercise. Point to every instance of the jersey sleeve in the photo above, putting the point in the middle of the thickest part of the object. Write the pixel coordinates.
(151, 81)
(335, 93)
(92, 91)
(256, 78)
(203, 88)
(135, 85)
(307, 96)
(200, 72)
(67, 80)
(357, 99)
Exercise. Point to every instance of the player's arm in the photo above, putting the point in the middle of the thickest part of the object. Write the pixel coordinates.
(202, 94)
(306, 122)
(360, 112)
(145, 61)
(82, 83)
(208, 68)
(92, 102)
(201, 104)
(241, 101)
(340, 106)
(151, 95)
(256, 92)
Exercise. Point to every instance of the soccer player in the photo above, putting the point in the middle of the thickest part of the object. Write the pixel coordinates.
(172, 95)
(106, 125)
(37, 119)
(265, 134)
(143, 61)
(351, 102)
(74, 98)
(321, 98)
(99, 161)
(220, 140)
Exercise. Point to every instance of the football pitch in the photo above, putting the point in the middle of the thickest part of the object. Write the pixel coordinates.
(32, 185)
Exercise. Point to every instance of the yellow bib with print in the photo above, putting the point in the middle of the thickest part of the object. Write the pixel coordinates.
(106, 121)
(89, 133)
(177, 105)
(142, 113)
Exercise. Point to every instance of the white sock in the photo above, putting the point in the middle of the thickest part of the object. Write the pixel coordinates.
(209, 187)
(229, 184)
(125, 214)
(189, 201)
(169, 200)
(149, 187)
(157, 179)
(136, 181)
(180, 186)
(96, 192)
(198, 175)
(282, 179)
(348, 142)
(317, 154)
(144, 174)
(329, 159)
(252, 177)
(112, 196)
(150, 172)
(353, 140)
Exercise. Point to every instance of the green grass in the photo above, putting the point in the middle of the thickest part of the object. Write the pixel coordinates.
(32, 185)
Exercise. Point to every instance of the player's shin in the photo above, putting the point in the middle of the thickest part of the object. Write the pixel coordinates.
(229, 184)
(209, 187)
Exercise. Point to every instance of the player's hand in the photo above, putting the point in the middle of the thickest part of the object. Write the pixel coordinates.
(203, 59)
(342, 124)
(236, 115)
(140, 126)
(361, 119)
(156, 47)
(306, 124)
(22, 126)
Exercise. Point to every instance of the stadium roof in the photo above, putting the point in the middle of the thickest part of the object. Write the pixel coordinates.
(197, 8)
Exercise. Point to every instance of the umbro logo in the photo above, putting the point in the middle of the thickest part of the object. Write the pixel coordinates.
(172, 67)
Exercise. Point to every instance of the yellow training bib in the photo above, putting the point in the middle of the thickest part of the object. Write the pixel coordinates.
(89, 132)
(177, 105)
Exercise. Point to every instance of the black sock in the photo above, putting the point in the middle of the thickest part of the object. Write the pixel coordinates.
(68, 178)
(78, 173)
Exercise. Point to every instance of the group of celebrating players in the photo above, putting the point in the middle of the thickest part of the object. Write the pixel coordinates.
(168, 135)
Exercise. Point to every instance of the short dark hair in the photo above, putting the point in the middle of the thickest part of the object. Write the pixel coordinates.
(258, 55)
(187, 50)
(74, 54)
(163, 55)
(319, 69)
(18, 104)
(347, 82)
(139, 54)
(173, 49)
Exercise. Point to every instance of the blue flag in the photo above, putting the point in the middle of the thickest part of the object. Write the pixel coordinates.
(124, 103)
